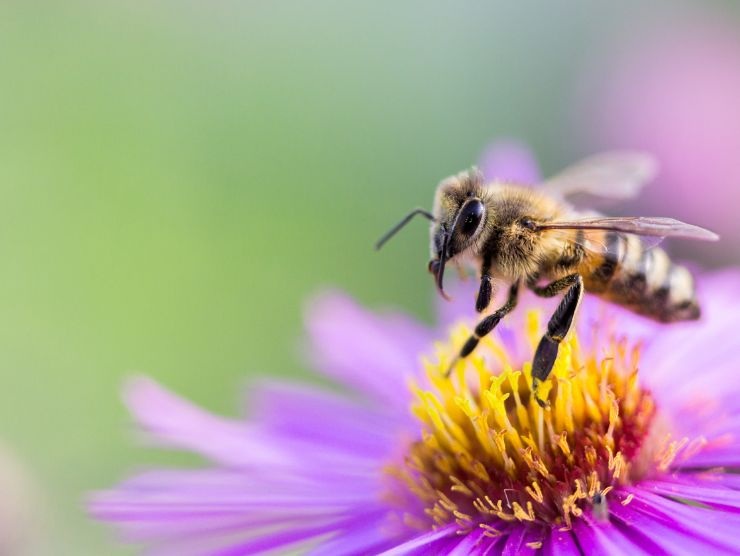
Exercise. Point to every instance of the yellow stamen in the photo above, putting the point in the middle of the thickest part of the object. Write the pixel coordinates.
(486, 448)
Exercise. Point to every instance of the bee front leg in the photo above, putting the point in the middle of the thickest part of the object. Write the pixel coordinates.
(485, 326)
(485, 291)
(558, 327)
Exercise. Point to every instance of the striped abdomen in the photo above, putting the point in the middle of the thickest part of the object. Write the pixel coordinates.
(641, 279)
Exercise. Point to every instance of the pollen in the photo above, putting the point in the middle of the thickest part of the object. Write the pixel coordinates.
(487, 452)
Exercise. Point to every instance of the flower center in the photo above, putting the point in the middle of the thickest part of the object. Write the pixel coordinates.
(489, 453)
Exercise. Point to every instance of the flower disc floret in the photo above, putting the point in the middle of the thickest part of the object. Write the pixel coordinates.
(489, 453)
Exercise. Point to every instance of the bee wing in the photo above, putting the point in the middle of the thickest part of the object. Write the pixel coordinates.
(645, 226)
(611, 175)
(649, 230)
(595, 241)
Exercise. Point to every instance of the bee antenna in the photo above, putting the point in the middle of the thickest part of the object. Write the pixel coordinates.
(406, 219)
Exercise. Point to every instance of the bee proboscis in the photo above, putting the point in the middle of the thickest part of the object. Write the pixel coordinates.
(534, 237)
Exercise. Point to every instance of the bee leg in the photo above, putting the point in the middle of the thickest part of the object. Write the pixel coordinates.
(486, 325)
(553, 288)
(485, 291)
(557, 328)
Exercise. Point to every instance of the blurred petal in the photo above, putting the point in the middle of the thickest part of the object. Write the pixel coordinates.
(514, 542)
(366, 538)
(175, 422)
(422, 542)
(323, 418)
(676, 527)
(665, 86)
(360, 350)
(607, 540)
(510, 161)
(293, 535)
(561, 543)
(254, 541)
(468, 544)
(681, 349)
(696, 490)
(175, 507)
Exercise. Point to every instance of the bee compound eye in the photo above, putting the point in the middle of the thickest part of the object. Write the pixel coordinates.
(470, 217)
(529, 224)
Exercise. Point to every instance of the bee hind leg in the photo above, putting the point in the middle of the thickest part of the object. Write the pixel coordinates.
(558, 327)
(486, 325)
(553, 288)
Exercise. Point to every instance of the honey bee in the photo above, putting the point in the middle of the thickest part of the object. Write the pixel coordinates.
(535, 237)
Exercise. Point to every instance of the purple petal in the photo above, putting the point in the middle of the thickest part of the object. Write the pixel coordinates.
(608, 540)
(533, 534)
(680, 349)
(515, 541)
(509, 161)
(493, 546)
(291, 537)
(323, 418)
(720, 430)
(234, 490)
(720, 478)
(198, 503)
(595, 312)
(517, 538)
(695, 490)
(175, 422)
(369, 537)
(560, 543)
(421, 543)
(373, 355)
(678, 527)
(469, 543)
(203, 511)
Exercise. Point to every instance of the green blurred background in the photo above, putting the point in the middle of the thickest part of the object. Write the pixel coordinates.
(176, 179)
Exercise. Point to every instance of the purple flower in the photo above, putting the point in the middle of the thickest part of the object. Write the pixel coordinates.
(406, 461)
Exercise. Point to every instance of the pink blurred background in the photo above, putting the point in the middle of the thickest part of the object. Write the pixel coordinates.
(673, 89)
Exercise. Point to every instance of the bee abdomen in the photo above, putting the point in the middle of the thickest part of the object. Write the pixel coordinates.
(676, 300)
(645, 281)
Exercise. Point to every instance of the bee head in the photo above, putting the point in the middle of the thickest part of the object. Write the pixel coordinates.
(459, 217)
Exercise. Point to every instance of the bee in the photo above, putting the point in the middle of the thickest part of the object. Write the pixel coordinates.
(534, 237)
